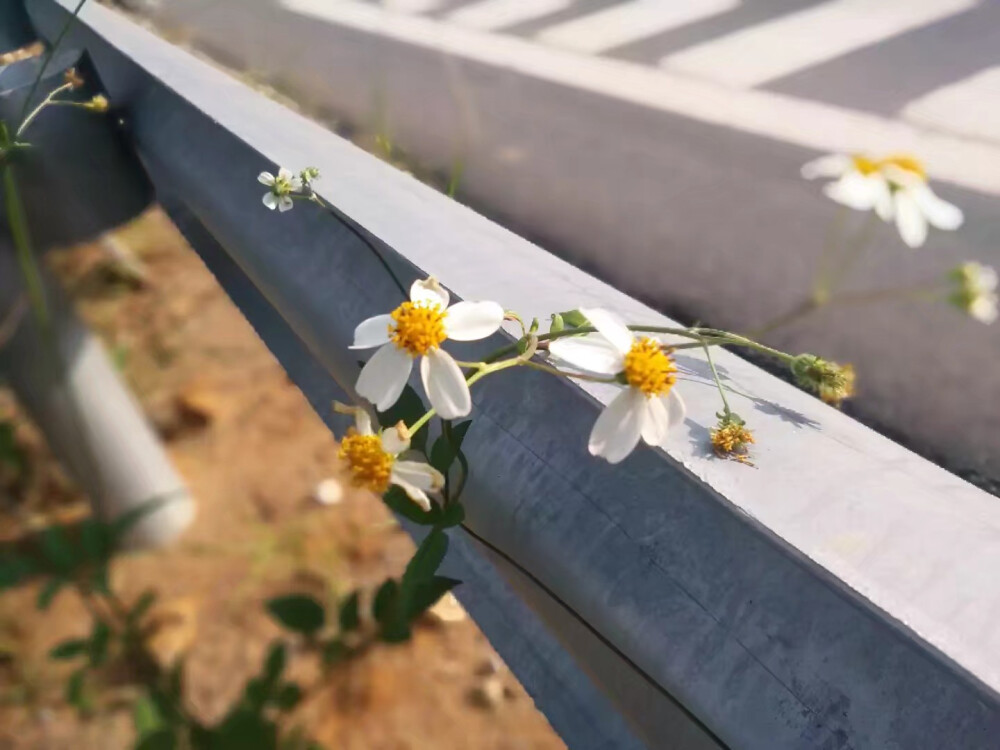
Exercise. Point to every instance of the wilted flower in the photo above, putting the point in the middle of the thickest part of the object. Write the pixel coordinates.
(373, 464)
(648, 408)
(976, 291)
(895, 187)
(730, 437)
(73, 79)
(281, 188)
(831, 381)
(417, 329)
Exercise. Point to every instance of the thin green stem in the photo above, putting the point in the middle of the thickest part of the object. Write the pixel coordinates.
(565, 374)
(21, 235)
(830, 244)
(364, 240)
(718, 380)
(853, 254)
(46, 102)
(486, 369)
(48, 59)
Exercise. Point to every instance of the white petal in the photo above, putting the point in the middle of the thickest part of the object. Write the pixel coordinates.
(655, 421)
(419, 474)
(885, 209)
(285, 174)
(429, 290)
(910, 222)
(445, 385)
(939, 213)
(856, 190)
(833, 165)
(265, 178)
(270, 200)
(676, 408)
(591, 352)
(393, 442)
(285, 204)
(372, 332)
(415, 494)
(984, 309)
(469, 321)
(384, 377)
(617, 429)
(610, 327)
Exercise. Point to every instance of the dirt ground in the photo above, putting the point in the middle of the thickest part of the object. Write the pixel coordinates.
(252, 452)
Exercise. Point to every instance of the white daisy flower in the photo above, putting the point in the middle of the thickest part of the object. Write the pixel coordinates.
(648, 408)
(976, 294)
(895, 187)
(858, 182)
(373, 462)
(281, 188)
(914, 203)
(417, 329)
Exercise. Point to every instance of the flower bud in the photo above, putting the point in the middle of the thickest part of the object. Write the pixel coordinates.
(833, 382)
(98, 104)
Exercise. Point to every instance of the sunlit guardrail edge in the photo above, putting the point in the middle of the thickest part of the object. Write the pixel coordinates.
(838, 595)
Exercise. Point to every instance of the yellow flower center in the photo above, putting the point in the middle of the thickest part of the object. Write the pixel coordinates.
(648, 368)
(419, 327)
(906, 162)
(369, 465)
(865, 165)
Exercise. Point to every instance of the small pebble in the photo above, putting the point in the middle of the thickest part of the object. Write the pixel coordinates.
(328, 492)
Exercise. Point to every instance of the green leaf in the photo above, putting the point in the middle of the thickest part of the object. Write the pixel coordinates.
(426, 560)
(95, 538)
(426, 595)
(57, 550)
(98, 646)
(384, 603)
(11, 454)
(407, 409)
(453, 515)
(274, 665)
(146, 717)
(288, 696)
(13, 571)
(100, 579)
(246, 729)
(69, 649)
(447, 447)
(48, 593)
(398, 502)
(298, 612)
(349, 617)
(161, 739)
(574, 319)
(76, 690)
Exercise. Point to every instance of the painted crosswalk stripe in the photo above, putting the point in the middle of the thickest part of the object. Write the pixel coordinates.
(970, 106)
(629, 22)
(489, 15)
(786, 45)
(410, 6)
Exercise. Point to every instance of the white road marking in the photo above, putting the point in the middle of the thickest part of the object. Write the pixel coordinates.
(823, 127)
(629, 22)
(786, 45)
(970, 106)
(497, 14)
(409, 6)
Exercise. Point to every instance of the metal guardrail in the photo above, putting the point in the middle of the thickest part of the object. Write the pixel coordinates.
(841, 594)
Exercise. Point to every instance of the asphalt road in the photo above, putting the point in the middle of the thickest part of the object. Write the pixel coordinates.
(670, 166)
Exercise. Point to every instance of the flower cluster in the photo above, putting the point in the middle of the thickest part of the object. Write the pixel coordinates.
(731, 438)
(832, 382)
(975, 291)
(284, 187)
(895, 187)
